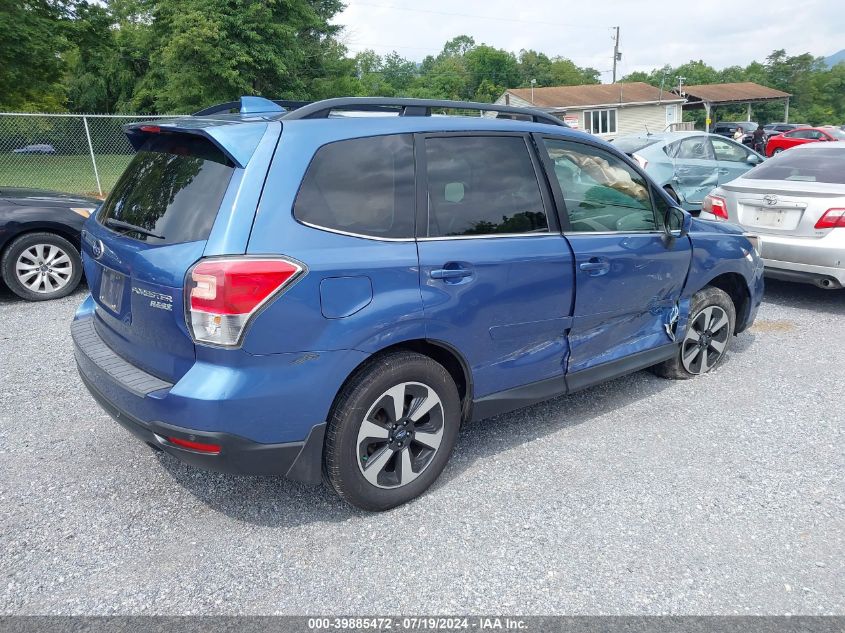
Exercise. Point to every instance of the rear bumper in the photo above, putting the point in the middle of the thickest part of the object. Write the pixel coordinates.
(265, 412)
(813, 260)
(301, 461)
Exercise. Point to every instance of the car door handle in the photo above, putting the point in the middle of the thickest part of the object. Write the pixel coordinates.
(682, 170)
(723, 171)
(595, 266)
(449, 273)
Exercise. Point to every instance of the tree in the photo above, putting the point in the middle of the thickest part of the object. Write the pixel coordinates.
(32, 41)
(206, 51)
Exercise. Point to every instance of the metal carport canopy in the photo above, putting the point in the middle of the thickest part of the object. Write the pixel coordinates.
(709, 96)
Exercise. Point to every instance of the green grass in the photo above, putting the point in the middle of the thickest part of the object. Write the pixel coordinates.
(71, 174)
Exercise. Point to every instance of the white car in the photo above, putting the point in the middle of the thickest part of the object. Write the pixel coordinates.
(795, 203)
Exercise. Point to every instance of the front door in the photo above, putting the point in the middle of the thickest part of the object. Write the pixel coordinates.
(734, 159)
(495, 272)
(629, 277)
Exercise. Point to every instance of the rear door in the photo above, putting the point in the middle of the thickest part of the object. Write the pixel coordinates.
(629, 277)
(495, 273)
(696, 170)
(153, 226)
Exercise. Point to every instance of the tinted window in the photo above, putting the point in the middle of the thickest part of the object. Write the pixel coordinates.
(695, 147)
(730, 152)
(479, 185)
(173, 187)
(602, 193)
(363, 186)
(810, 165)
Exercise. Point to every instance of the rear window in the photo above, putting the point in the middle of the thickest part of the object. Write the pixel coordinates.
(811, 165)
(363, 186)
(173, 187)
(633, 144)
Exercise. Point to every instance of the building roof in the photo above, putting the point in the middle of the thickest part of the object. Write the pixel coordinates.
(731, 93)
(594, 95)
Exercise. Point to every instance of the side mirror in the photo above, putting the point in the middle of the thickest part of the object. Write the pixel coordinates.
(753, 159)
(677, 222)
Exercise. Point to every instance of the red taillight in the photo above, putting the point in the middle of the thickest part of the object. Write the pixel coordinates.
(716, 205)
(224, 293)
(151, 129)
(832, 219)
(200, 447)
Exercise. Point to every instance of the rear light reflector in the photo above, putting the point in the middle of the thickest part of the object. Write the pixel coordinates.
(716, 205)
(224, 294)
(151, 129)
(200, 447)
(832, 219)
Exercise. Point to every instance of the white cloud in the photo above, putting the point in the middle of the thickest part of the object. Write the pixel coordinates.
(653, 32)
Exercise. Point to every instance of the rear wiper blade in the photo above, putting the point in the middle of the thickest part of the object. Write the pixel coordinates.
(120, 224)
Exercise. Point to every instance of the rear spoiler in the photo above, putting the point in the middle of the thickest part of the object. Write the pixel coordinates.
(252, 105)
(237, 140)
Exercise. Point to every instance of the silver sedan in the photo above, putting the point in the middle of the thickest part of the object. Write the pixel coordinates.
(795, 204)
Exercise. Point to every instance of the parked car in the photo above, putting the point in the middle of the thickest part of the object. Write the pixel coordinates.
(39, 148)
(688, 165)
(295, 294)
(39, 241)
(802, 136)
(795, 203)
(727, 129)
(774, 129)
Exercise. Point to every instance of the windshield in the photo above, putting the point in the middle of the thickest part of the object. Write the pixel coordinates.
(172, 188)
(804, 165)
(631, 144)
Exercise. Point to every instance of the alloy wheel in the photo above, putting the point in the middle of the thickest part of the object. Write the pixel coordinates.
(400, 435)
(44, 268)
(705, 340)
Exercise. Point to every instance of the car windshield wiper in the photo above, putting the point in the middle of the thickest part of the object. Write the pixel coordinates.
(120, 224)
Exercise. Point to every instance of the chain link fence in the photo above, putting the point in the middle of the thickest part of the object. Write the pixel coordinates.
(72, 153)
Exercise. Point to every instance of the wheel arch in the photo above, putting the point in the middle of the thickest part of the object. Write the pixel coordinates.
(735, 286)
(68, 233)
(439, 351)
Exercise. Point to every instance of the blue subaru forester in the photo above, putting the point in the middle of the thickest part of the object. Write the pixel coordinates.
(329, 292)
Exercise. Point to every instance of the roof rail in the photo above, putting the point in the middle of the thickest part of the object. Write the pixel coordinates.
(237, 106)
(413, 107)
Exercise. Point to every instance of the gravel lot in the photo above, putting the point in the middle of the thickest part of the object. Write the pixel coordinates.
(722, 494)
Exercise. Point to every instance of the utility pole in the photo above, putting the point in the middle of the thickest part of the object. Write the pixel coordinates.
(617, 56)
(533, 83)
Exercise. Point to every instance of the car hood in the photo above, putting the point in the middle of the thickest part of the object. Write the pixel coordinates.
(700, 225)
(44, 198)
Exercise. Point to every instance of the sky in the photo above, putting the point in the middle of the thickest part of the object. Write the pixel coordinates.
(652, 32)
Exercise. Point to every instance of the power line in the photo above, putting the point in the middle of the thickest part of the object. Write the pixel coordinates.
(480, 17)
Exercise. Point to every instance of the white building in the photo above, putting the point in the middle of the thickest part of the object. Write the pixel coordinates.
(607, 110)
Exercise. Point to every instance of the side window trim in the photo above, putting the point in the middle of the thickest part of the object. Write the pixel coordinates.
(421, 184)
(557, 192)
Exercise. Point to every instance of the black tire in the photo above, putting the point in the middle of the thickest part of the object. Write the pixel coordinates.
(68, 271)
(698, 335)
(345, 453)
(778, 150)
